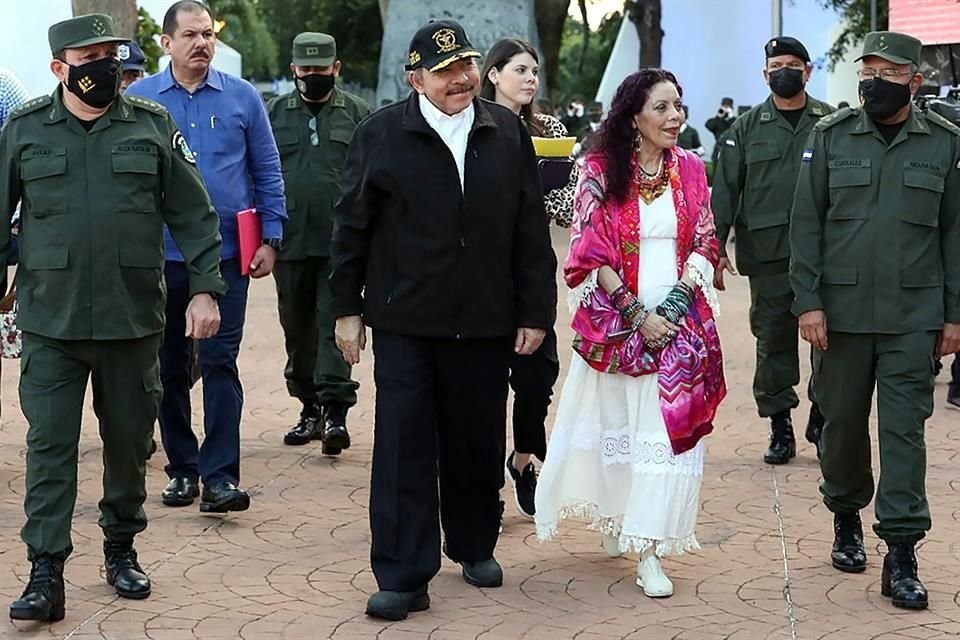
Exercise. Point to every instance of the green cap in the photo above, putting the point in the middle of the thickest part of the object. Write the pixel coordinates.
(314, 50)
(898, 48)
(82, 31)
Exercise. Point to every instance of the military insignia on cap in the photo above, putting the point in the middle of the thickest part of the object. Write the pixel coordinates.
(86, 84)
(98, 27)
(313, 51)
(179, 144)
(773, 44)
(414, 58)
(883, 43)
(446, 40)
(123, 52)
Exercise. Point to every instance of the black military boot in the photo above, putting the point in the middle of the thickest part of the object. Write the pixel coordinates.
(848, 554)
(899, 579)
(335, 435)
(123, 571)
(307, 428)
(815, 427)
(783, 445)
(43, 598)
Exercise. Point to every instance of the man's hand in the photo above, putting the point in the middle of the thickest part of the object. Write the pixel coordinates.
(813, 328)
(262, 263)
(724, 265)
(203, 317)
(528, 340)
(949, 341)
(351, 337)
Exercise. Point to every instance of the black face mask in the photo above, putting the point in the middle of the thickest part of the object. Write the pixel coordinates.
(786, 82)
(315, 86)
(882, 99)
(97, 83)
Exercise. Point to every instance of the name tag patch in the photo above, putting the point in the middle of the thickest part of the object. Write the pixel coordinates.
(807, 155)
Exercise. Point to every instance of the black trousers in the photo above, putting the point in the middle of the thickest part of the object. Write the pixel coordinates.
(532, 378)
(440, 414)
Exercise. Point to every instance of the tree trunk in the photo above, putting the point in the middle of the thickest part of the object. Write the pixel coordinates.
(551, 14)
(384, 5)
(645, 15)
(586, 35)
(123, 12)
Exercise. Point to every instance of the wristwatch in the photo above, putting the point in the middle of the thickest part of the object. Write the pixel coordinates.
(273, 243)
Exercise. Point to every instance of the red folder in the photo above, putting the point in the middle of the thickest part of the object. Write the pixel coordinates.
(249, 237)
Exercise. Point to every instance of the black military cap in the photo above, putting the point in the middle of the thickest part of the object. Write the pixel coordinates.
(786, 46)
(438, 44)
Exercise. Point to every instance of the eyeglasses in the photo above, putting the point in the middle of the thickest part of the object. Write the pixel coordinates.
(314, 138)
(886, 74)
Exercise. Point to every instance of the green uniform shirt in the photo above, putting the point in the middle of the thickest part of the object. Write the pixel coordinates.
(875, 228)
(92, 215)
(754, 181)
(312, 152)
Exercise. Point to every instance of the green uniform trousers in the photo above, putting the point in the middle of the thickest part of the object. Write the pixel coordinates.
(315, 367)
(901, 367)
(777, 333)
(126, 397)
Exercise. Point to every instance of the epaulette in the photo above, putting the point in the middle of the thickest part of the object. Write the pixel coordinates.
(936, 118)
(30, 106)
(146, 103)
(835, 118)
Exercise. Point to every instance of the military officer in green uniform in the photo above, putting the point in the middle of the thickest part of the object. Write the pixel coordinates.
(753, 186)
(875, 240)
(98, 175)
(313, 125)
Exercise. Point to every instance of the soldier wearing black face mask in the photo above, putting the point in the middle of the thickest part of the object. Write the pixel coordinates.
(752, 193)
(313, 125)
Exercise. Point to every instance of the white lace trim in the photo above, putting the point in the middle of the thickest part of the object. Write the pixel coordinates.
(579, 296)
(613, 526)
(706, 286)
(618, 446)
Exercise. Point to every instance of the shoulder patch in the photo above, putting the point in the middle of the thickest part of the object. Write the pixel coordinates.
(146, 103)
(835, 118)
(179, 144)
(30, 106)
(935, 118)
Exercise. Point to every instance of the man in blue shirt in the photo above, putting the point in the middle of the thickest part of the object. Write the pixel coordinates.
(225, 125)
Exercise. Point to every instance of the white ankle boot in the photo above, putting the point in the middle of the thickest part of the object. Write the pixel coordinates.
(611, 544)
(651, 578)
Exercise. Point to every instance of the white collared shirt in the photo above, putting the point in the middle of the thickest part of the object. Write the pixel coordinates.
(453, 130)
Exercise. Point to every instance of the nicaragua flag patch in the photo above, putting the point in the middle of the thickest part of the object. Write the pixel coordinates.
(807, 155)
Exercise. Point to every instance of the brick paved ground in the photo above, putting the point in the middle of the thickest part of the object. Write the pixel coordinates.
(295, 565)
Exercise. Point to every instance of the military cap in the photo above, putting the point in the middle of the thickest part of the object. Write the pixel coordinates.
(82, 31)
(131, 56)
(438, 44)
(314, 50)
(898, 48)
(786, 46)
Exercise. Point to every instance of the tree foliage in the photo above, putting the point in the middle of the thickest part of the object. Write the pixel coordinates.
(569, 82)
(147, 32)
(856, 24)
(244, 29)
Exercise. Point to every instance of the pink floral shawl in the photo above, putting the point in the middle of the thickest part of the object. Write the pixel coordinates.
(690, 368)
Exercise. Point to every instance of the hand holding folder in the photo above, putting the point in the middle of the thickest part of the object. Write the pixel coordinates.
(249, 238)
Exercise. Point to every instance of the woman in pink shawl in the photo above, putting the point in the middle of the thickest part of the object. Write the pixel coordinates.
(646, 378)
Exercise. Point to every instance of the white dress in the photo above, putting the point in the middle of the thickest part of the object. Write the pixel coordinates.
(609, 459)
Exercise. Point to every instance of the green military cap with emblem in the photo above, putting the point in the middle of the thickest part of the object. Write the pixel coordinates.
(898, 48)
(82, 31)
(314, 50)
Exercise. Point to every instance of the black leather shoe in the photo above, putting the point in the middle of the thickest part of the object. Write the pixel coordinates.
(486, 573)
(123, 571)
(848, 554)
(335, 436)
(783, 445)
(306, 429)
(224, 497)
(524, 486)
(395, 605)
(815, 427)
(43, 598)
(180, 492)
(899, 579)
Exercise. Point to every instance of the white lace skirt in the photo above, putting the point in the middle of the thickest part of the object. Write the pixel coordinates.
(610, 461)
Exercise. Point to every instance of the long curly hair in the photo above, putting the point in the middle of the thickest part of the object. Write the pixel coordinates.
(497, 58)
(614, 139)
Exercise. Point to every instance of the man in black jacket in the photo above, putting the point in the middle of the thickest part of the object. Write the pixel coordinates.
(441, 243)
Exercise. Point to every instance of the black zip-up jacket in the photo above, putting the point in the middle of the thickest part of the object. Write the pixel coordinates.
(416, 256)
